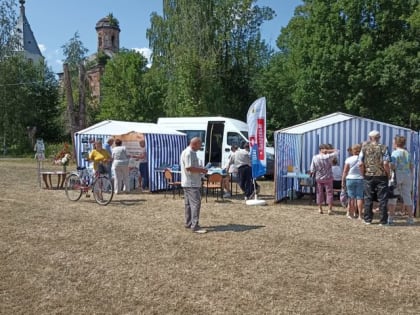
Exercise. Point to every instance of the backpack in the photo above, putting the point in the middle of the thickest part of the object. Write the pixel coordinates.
(373, 159)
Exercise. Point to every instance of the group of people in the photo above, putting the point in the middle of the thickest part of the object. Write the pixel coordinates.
(240, 169)
(239, 165)
(113, 160)
(370, 174)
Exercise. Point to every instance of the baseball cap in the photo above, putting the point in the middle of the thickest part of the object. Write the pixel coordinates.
(374, 133)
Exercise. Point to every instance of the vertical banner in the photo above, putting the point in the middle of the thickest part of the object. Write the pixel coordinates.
(256, 120)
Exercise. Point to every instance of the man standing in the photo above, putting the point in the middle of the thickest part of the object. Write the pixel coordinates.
(374, 166)
(191, 183)
(242, 161)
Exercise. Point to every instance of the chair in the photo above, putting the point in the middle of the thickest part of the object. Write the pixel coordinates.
(214, 182)
(171, 184)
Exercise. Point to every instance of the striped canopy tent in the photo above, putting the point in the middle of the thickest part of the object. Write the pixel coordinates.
(296, 145)
(164, 145)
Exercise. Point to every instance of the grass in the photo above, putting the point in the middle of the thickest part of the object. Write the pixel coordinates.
(135, 257)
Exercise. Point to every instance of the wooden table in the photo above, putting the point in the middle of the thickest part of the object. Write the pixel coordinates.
(61, 177)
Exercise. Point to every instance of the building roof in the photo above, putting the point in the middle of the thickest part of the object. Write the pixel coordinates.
(324, 121)
(28, 42)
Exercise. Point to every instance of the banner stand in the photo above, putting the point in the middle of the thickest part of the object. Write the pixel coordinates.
(256, 120)
(255, 201)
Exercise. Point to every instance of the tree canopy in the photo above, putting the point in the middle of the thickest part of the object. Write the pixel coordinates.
(127, 93)
(208, 52)
(360, 57)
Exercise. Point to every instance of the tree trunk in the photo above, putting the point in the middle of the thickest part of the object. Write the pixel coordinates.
(82, 97)
(71, 114)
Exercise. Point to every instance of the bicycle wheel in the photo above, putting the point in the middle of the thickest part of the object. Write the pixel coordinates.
(103, 190)
(73, 187)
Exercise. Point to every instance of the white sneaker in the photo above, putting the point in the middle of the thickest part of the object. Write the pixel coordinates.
(227, 195)
(200, 231)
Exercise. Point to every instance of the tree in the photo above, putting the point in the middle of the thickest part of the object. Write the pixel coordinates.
(74, 52)
(355, 56)
(75, 75)
(29, 95)
(208, 52)
(28, 91)
(9, 38)
(126, 92)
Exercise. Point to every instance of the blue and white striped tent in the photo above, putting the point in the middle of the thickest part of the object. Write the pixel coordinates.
(164, 145)
(297, 145)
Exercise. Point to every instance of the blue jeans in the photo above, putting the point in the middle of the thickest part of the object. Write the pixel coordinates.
(376, 185)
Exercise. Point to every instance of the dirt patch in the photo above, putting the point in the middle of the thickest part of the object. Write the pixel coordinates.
(134, 256)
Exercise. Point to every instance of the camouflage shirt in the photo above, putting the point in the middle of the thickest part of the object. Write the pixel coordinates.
(373, 156)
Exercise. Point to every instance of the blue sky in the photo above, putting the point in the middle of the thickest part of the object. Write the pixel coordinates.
(54, 22)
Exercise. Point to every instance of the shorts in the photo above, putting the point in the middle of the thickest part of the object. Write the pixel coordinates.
(354, 188)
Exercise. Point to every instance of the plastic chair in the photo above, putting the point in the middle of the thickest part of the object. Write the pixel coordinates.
(171, 184)
(214, 182)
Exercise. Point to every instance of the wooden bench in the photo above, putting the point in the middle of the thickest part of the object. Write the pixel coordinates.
(61, 177)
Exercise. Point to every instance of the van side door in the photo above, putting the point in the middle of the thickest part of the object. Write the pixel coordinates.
(214, 143)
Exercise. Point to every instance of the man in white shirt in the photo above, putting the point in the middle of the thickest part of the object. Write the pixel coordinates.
(191, 183)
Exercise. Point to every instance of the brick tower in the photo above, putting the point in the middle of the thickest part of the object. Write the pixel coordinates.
(108, 32)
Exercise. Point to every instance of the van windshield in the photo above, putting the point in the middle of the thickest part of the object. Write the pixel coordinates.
(234, 138)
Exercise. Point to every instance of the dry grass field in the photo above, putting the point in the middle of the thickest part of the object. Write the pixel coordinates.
(135, 257)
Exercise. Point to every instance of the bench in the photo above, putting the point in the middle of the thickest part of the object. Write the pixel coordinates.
(61, 177)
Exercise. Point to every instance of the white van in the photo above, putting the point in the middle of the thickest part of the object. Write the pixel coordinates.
(217, 134)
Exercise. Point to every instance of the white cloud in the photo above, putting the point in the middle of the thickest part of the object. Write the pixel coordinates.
(42, 48)
(147, 53)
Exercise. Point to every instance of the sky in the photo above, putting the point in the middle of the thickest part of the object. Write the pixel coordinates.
(54, 23)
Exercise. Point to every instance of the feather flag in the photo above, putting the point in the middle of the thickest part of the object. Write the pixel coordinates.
(256, 120)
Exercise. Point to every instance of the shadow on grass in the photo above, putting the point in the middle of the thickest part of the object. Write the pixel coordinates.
(233, 228)
(129, 202)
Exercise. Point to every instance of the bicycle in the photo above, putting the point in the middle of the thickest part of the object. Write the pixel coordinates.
(82, 181)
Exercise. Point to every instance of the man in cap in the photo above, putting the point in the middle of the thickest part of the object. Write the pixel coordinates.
(374, 166)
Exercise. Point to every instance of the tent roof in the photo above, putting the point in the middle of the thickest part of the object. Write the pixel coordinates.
(115, 127)
(325, 121)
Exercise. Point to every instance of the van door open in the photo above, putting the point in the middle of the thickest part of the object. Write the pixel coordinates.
(214, 143)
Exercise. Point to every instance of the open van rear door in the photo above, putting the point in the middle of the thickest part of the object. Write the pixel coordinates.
(214, 143)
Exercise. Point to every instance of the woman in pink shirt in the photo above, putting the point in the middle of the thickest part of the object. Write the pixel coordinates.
(321, 168)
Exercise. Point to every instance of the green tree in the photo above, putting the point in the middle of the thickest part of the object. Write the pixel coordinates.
(9, 40)
(29, 95)
(75, 107)
(74, 52)
(28, 91)
(126, 93)
(355, 56)
(208, 52)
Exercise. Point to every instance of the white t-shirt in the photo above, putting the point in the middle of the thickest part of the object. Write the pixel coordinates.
(189, 159)
(119, 156)
(354, 170)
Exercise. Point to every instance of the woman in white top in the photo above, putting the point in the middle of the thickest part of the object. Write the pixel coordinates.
(120, 160)
(352, 181)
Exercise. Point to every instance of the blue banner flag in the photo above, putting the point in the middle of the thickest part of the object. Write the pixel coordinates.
(256, 120)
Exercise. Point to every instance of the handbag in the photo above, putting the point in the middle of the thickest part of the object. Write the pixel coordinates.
(344, 198)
